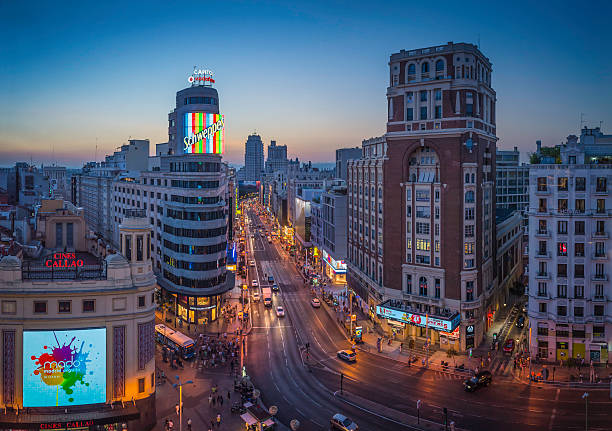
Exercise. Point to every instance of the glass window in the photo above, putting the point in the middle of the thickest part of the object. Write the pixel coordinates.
(70, 234)
(439, 66)
(602, 185)
(562, 227)
(59, 235)
(63, 306)
(423, 113)
(580, 184)
(411, 69)
(40, 306)
(141, 301)
(89, 305)
(562, 183)
(409, 114)
(562, 249)
(542, 187)
(579, 228)
(423, 96)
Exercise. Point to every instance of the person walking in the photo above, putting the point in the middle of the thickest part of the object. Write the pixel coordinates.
(221, 400)
(229, 395)
(176, 407)
(218, 419)
(189, 424)
(209, 400)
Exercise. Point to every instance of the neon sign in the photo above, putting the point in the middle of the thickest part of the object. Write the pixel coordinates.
(63, 260)
(204, 133)
(425, 321)
(202, 76)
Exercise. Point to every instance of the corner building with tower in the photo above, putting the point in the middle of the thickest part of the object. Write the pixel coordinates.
(422, 201)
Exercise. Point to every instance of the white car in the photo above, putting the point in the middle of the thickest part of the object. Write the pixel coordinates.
(315, 303)
(254, 283)
(347, 355)
(280, 311)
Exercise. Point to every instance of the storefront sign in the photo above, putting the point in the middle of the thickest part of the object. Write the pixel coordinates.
(425, 321)
(63, 260)
(338, 266)
(469, 329)
(66, 425)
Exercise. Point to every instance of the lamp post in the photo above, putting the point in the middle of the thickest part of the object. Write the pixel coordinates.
(585, 397)
(180, 386)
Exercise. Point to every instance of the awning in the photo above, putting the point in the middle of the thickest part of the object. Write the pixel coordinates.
(250, 420)
(268, 422)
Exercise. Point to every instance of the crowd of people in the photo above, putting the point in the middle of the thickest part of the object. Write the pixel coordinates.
(217, 351)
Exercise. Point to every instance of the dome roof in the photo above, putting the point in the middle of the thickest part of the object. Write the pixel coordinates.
(10, 262)
(116, 260)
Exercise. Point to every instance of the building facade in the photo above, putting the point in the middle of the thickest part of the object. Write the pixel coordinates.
(343, 155)
(277, 158)
(570, 215)
(429, 178)
(512, 182)
(96, 315)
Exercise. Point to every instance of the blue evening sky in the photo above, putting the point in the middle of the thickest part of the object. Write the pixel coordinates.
(311, 75)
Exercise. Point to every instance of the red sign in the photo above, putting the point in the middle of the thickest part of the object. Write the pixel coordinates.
(63, 260)
(68, 425)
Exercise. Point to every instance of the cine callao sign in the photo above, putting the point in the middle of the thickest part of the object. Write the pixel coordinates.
(63, 260)
(204, 133)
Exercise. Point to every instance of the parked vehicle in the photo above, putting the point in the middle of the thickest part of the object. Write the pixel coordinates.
(341, 422)
(484, 378)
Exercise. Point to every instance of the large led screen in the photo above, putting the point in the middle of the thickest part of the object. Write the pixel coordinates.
(64, 368)
(204, 133)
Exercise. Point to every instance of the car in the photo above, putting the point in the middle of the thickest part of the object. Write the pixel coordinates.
(280, 311)
(347, 355)
(520, 322)
(483, 378)
(256, 296)
(251, 262)
(509, 346)
(254, 283)
(275, 287)
(315, 303)
(341, 422)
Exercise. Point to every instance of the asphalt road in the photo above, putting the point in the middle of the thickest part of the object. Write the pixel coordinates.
(304, 388)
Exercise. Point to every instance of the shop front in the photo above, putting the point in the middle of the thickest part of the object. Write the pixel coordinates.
(335, 270)
(199, 310)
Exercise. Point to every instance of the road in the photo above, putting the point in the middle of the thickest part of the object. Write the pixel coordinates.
(278, 366)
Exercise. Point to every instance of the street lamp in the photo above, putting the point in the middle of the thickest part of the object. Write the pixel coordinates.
(180, 386)
(585, 397)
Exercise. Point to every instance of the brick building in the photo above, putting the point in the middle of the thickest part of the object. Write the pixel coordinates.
(421, 232)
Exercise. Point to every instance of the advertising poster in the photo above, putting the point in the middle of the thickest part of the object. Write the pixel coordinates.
(204, 133)
(64, 368)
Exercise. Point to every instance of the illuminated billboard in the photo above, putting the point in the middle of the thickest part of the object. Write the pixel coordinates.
(204, 133)
(423, 320)
(64, 368)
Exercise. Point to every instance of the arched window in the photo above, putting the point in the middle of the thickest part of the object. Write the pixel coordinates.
(423, 286)
(411, 69)
(373, 193)
(380, 193)
(439, 66)
(469, 196)
(473, 178)
(467, 178)
(425, 67)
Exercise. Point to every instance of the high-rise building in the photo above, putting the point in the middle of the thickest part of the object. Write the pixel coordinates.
(512, 181)
(277, 158)
(253, 158)
(570, 219)
(422, 247)
(343, 155)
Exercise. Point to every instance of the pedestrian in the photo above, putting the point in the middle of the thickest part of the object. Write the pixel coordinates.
(221, 400)
(176, 407)
(218, 419)
(189, 424)
(229, 395)
(209, 400)
(214, 401)
(212, 423)
(170, 425)
(166, 425)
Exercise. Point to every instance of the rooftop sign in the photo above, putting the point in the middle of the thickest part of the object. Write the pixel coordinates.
(201, 77)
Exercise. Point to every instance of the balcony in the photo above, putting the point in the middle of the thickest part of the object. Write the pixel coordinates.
(599, 277)
(543, 233)
(598, 319)
(600, 298)
(599, 256)
(542, 191)
(602, 235)
(543, 254)
(542, 275)
(601, 191)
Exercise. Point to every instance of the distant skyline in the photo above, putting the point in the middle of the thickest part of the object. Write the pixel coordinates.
(310, 75)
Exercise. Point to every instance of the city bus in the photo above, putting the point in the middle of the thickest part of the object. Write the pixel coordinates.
(175, 340)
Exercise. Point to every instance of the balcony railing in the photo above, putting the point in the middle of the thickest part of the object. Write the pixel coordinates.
(599, 277)
(542, 233)
(603, 235)
(542, 275)
(599, 256)
(543, 254)
(599, 298)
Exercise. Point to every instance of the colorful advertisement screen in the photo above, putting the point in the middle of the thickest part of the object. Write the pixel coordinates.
(204, 133)
(64, 368)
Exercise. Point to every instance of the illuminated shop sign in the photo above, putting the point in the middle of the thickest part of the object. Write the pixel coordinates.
(204, 133)
(423, 320)
(64, 368)
(66, 425)
(201, 76)
(63, 260)
(339, 266)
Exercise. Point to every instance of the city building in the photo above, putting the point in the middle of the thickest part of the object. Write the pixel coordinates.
(570, 215)
(277, 158)
(32, 185)
(78, 330)
(186, 200)
(423, 192)
(343, 155)
(253, 158)
(329, 228)
(57, 180)
(512, 182)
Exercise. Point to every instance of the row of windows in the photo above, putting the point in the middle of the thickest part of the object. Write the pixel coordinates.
(65, 306)
(196, 200)
(578, 270)
(562, 290)
(187, 184)
(579, 226)
(195, 233)
(423, 287)
(601, 184)
(194, 283)
(195, 249)
(194, 266)
(200, 101)
(598, 310)
(195, 167)
(579, 205)
(195, 216)
(562, 249)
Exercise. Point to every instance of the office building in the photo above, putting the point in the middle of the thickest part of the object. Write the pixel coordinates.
(570, 215)
(277, 158)
(343, 155)
(253, 158)
(512, 181)
(424, 192)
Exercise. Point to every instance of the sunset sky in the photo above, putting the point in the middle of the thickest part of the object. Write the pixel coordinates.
(312, 75)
